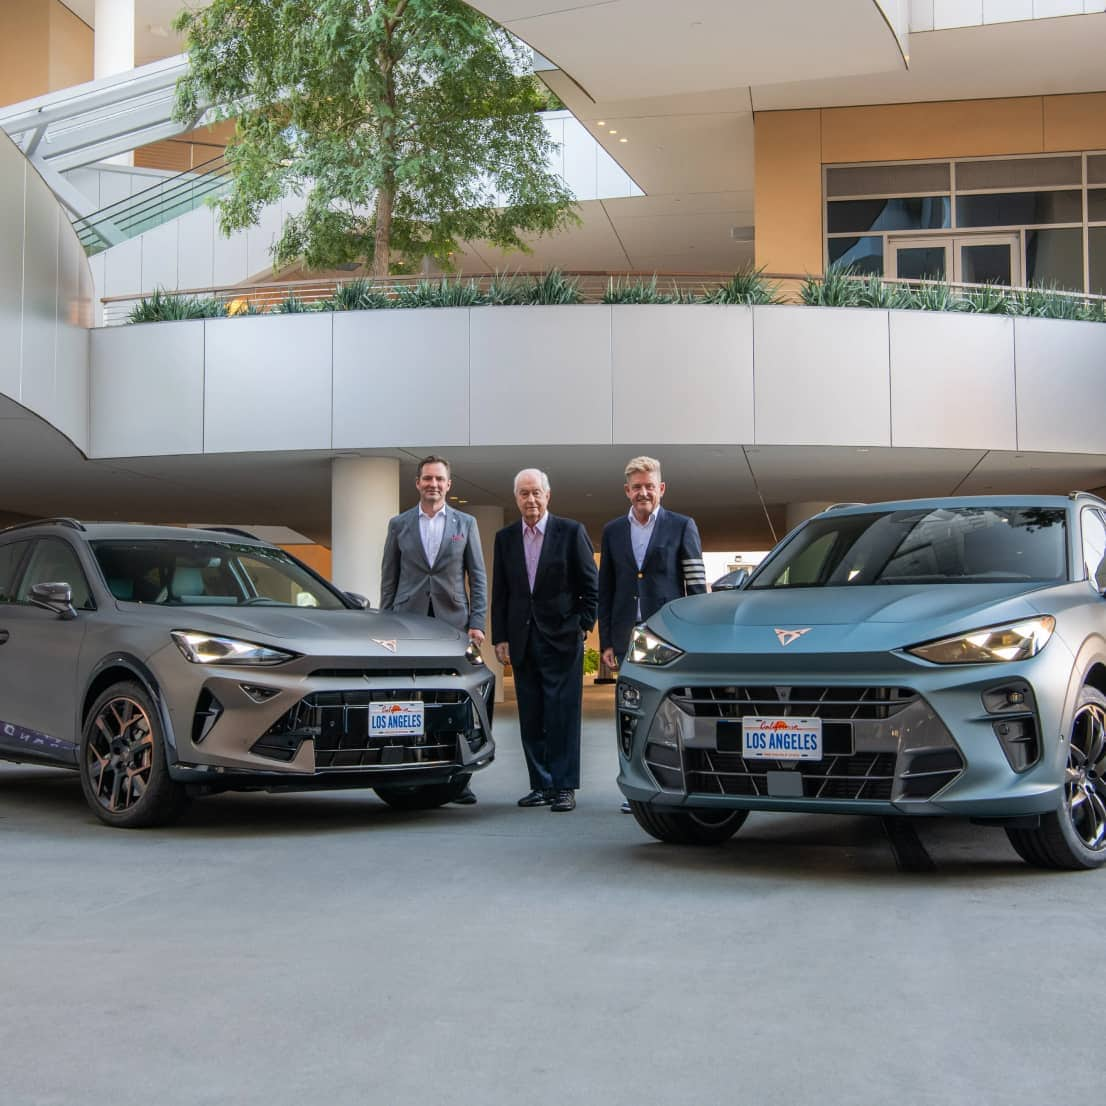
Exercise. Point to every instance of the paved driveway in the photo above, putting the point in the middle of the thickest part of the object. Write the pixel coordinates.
(324, 951)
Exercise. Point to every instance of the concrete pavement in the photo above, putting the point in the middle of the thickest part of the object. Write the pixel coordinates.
(323, 950)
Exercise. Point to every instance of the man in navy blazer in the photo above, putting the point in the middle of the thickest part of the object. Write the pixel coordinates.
(543, 604)
(649, 556)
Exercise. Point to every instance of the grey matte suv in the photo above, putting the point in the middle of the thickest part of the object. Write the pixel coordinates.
(163, 663)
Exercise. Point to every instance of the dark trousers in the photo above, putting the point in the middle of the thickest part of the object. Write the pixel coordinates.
(550, 692)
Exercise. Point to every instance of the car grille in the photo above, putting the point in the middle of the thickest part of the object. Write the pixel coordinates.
(852, 777)
(852, 704)
(338, 723)
(381, 673)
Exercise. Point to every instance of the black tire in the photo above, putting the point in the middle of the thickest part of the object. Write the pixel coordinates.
(426, 796)
(688, 827)
(123, 770)
(1074, 837)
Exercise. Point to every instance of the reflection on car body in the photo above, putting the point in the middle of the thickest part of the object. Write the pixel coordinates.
(164, 662)
(924, 657)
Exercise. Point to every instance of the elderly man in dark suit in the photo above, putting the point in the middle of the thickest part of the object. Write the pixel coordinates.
(428, 553)
(543, 604)
(648, 556)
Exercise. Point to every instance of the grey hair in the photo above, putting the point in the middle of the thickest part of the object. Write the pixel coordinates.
(643, 464)
(541, 476)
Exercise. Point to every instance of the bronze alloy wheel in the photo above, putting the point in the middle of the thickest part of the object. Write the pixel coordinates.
(119, 754)
(124, 773)
(1085, 783)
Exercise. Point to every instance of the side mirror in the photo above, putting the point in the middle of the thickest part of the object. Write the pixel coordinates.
(732, 581)
(54, 597)
(357, 600)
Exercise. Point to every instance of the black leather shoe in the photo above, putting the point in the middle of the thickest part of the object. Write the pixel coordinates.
(536, 798)
(565, 800)
(466, 798)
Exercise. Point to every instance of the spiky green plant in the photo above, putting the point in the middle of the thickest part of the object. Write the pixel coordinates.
(460, 293)
(161, 307)
(1096, 311)
(992, 299)
(1047, 302)
(935, 296)
(635, 291)
(874, 291)
(508, 290)
(746, 286)
(838, 288)
(350, 295)
(554, 287)
(291, 305)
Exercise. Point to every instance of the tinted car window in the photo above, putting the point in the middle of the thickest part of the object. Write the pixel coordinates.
(1094, 548)
(923, 546)
(208, 574)
(55, 562)
(10, 557)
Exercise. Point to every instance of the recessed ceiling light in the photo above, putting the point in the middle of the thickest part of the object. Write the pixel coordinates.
(623, 140)
(612, 132)
(600, 122)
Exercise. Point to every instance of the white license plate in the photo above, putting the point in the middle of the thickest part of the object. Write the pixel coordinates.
(781, 738)
(396, 719)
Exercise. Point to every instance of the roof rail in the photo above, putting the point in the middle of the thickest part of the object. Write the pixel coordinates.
(72, 523)
(238, 531)
(842, 506)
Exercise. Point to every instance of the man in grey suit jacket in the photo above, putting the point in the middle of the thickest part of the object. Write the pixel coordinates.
(428, 553)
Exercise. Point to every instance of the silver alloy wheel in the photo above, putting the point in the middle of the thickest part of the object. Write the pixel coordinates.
(1085, 780)
(119, 754)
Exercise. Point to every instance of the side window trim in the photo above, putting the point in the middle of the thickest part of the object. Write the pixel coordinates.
(28, 559)
(18, 569)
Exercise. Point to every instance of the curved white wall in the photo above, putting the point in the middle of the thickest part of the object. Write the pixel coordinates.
(45, 301)
(599, 375)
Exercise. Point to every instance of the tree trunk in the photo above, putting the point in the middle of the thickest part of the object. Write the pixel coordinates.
(382, 251)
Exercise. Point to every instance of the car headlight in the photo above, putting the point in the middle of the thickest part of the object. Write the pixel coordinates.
(647, 648)
(472, 654)
(201, 648)
(1014, 641)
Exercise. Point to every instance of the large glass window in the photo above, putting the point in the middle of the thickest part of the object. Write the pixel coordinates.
(208, 574)
(11, 557)
(921, 213)
(962, 545)
(1051, 208)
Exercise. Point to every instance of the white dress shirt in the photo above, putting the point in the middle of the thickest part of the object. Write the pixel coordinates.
(431, 530)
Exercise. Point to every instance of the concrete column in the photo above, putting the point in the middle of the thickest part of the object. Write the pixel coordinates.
(364, 495)
(113, 38)
(113, 47)
(800, 512)
(488, 521)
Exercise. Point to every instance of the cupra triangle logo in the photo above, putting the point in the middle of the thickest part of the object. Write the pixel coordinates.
(391, 644)
(788, 636)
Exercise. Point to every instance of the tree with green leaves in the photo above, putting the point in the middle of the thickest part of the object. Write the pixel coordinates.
(410, 126)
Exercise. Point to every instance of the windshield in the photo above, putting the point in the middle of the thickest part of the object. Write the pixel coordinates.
(926, 545)
(208, 574)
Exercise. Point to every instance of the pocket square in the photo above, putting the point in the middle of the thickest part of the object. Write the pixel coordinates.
(458, 537)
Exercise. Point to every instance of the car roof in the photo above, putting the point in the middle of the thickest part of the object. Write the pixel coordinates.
(953, 501)
(130, 531)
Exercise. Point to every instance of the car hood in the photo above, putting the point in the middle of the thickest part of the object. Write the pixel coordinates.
(309, 630)
(852, 619)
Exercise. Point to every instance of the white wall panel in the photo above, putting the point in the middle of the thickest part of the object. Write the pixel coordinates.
(97, 272)
(147, 389)
(72, 387)
(1059, 380)
(1006, 11)
(921, 15)
(957, 13)
(159, 257)
(1049, 9)
(682, 374)
(228, 257)
(114, 187)
(401, 377)
(952, 380)
(579, 160)
(259, 243)
(541, 375)
(267, 383)
(12, 183)
(123, 269)
(40, 297)
(821, 376)
(196, 243)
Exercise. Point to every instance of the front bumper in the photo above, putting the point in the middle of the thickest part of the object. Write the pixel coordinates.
(282, 729)
(981, 741)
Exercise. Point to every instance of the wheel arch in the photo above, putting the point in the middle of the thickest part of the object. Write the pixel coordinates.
(119, 667)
